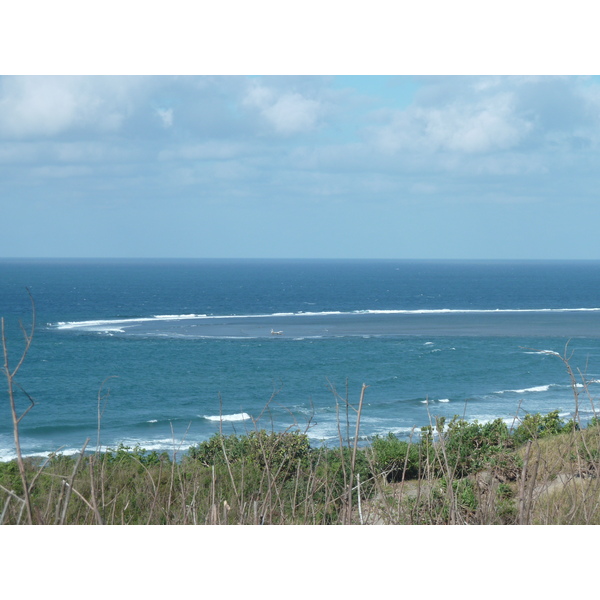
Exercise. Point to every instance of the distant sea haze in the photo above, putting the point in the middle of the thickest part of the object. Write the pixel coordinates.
(180, 350)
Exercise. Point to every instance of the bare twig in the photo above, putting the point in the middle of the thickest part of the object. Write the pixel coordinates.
(69, 485)
(16, 418)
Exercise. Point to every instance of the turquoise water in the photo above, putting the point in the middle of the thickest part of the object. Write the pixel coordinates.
(185, 348)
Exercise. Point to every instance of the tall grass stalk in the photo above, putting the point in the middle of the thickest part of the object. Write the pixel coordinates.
(11, 383)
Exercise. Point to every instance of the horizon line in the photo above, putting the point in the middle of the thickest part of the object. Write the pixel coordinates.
(287, 258)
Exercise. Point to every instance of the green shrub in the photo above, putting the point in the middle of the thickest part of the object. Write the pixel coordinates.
(396, 459)
(126, 455)
(278, 450)
(466, 447)
(261, 448)
(465, 495)
(332, 467)
(220, 449)
(448, 503)
(10, 478)
(594, 422)
(535, 426)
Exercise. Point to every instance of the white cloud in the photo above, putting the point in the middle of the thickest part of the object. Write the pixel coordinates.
(493, 116)
(293, 113)
(287, 112)
(485, 125)
(46, 106)
(35, 106)
(166, 116)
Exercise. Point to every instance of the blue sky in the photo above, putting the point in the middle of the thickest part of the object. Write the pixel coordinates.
(300, 166)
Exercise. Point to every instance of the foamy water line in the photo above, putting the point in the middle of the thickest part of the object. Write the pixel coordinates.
(118, 324)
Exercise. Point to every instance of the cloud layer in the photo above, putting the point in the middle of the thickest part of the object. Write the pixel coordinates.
(217, 146)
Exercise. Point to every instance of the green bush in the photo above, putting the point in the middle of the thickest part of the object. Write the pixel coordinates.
(396, 459)
(219, 449)
(125, 455)
(465, 495)
(332, 467)
(448, 502)
(10, 478)
(535, 426)
(466, 447)
(264, 449)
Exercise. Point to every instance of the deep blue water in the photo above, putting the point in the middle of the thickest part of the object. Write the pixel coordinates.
(180, 343)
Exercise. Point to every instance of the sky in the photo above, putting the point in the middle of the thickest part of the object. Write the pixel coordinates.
(300, 166)
(289, 164)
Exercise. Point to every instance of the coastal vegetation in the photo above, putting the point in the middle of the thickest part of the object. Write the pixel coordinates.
(540, 469)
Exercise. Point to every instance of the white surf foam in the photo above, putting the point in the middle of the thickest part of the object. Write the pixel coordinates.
(117, 324)
(537, 388)
(235, 417)
(8, 454)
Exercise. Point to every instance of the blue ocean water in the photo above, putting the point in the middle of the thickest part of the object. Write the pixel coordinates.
(165, 353)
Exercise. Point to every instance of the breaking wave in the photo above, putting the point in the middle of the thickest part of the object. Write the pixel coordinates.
(235, 417)
(118, 324)
(537, 388)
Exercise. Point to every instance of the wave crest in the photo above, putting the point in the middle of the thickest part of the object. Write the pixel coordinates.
(117, 324)
(235, 417)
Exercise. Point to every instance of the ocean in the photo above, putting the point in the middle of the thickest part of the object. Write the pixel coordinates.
(163, 354)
